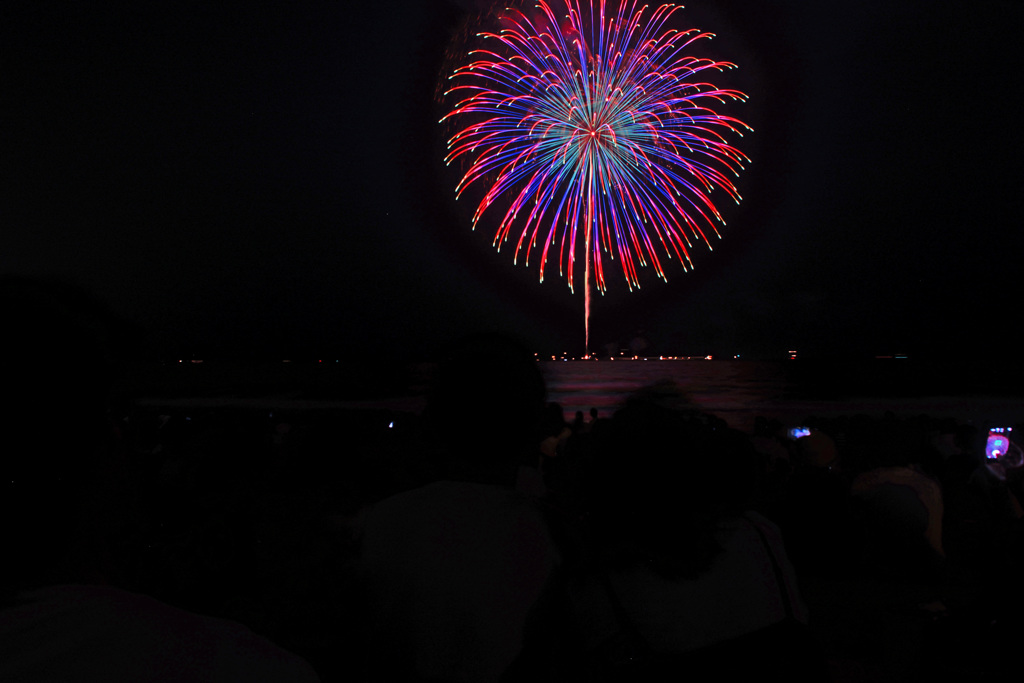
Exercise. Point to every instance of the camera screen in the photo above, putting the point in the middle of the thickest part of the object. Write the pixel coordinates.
(998, 443)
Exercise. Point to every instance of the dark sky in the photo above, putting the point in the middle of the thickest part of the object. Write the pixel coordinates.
(268, 182)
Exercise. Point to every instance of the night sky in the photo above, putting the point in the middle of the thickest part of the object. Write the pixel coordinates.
(268, 183)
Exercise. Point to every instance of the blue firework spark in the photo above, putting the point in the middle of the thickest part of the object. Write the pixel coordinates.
(596, 129)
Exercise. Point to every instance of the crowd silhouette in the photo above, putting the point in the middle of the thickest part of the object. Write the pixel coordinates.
(484, 539)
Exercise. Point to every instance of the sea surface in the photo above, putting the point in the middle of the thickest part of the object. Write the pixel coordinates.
(739, 391)
(736, 390)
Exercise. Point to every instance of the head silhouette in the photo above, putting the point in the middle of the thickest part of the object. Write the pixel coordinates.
(663, 477)
(487, 400)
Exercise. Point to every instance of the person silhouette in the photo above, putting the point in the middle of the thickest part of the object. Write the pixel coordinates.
(452, 569)
(60, 619)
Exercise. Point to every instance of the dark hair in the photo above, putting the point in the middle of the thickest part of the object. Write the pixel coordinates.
(486, 384)
(662, 480)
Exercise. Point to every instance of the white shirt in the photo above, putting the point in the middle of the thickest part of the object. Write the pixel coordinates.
(81, 633)
(453, 569)
(739, 594)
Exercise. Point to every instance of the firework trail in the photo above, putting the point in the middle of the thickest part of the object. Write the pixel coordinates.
(594, 129)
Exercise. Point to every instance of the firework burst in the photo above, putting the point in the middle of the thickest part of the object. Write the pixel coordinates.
(595, 129)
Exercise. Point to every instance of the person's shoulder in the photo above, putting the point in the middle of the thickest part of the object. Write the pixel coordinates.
(128, 634)
(761, 523)
(750, 532)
